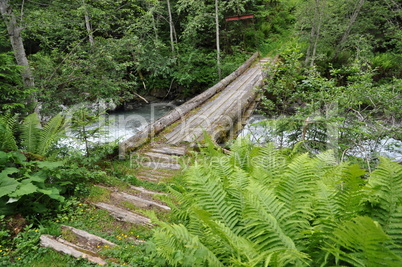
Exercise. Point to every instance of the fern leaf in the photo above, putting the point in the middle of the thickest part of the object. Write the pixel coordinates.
(180, 248)
(268, 164)
(267, 217)
(29, 133)
(296, 187)
(212, 196)
(362, 242)
(50, 134)
(385, 185)
(226, 242)
(7, 126)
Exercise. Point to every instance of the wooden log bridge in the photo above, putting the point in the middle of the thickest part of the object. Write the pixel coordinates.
(219, 111)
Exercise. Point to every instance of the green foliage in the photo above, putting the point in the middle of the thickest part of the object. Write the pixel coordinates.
(86, 125)
(41, 140)
(345, 104)
(25, 184)
(259, 207)
(385, 200)
(7, 132)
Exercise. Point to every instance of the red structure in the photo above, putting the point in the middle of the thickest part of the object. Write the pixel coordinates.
(251, 16)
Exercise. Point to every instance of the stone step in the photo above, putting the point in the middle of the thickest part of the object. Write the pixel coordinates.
(170, 150)
(162, 165)
(146, 191)
(137, 201)
(68, 248)
(159, 157)
(122, 214)
(85, 239)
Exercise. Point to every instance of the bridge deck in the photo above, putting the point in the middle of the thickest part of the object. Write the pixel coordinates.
(218, 111)
(219, 116)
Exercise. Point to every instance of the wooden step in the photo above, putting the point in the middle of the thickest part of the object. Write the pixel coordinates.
(137, 201)
(153, 175)
(122, 214)
(162, 165)
(85, 239)
(170, 150)
(68, 248)
(146, 191)
(159, 157)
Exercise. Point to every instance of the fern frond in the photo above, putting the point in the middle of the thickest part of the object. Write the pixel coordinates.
(225, 241)
(385, 188)
(339, 195)
(296, 187)
(362, 242)
(50, 134)
(241, 151)
(29, 132)
(180, 248)
(212, 196)
(268, 164)
(7, 128)
(266, 217)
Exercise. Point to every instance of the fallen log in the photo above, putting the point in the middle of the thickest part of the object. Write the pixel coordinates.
(152, 129)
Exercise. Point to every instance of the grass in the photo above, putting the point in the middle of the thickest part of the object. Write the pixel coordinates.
(51, 258)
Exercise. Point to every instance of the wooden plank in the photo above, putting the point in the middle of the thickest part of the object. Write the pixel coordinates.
(87, 240)
(233, 100)
(152, 175)
(178, 113)
(153, 156)
(170, 150)
(51, 242)
(211, 111)
(162, 165)
(123, 215)
(137, 201)
(146, 191)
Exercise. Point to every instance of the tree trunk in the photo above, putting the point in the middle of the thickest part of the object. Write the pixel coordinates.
(88, 24)
(170, 26)
(319, 8)
(352, 20)
(218, 48)
(14, 31)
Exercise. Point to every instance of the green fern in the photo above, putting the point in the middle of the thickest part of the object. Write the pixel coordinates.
(295, 189)
(362, 242)
(180, 248)
(39, 140)
(261, 208)
(385, 199)
(212, 196)
(50, 134)
(7, 129)
(30, 133)
(267, 220)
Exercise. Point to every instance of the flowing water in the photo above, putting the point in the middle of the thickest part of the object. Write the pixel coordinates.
(119, 126)
(387, 147)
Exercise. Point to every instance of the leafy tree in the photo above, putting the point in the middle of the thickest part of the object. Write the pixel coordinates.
(347, 104)
(14, 31)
